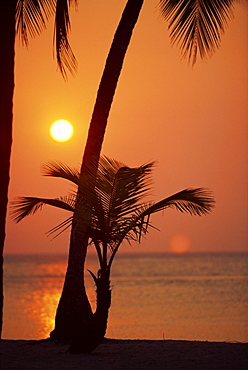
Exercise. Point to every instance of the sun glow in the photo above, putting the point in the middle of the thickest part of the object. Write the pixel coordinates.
(179, 244)
(61, 130)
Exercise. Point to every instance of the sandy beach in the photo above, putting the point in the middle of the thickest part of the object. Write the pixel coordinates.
(126, 354)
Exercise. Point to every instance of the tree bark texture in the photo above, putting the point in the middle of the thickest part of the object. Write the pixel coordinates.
(73, 309)
(7, 35)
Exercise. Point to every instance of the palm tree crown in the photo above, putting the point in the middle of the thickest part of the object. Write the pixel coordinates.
(117, 208)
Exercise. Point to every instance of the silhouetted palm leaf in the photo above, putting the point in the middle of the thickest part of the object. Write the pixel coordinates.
(118, 212)
(194, 201)
(117, 191)
(65, 56)
(120, 187)
(25, 206)
(60, 228)
(59, 169)
(31, 16)
(197, 201)
(196, 25)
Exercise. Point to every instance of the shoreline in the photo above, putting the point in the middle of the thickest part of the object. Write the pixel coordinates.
(125, 354)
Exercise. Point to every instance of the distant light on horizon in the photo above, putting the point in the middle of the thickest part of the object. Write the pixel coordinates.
(179, 243)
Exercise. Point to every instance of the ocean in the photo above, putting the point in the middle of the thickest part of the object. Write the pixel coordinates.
(155, 296)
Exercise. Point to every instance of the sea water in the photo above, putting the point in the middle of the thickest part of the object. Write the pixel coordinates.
(156, 296)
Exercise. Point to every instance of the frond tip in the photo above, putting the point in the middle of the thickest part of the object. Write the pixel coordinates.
(31, 17)
(64, 54)
(31, 20)
(196, 26)
(25, 206)
(198, 201)
(61, 170)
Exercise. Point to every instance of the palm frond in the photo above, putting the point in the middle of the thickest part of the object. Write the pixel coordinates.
(106, 173)
(122, 188)
(60, 228)
(134, 226)
(117, 190)
(130, 229)
(31, 17)
(59, 169)
(197, 201)
(65, 57)
(193, 201)
(25, 206)
(196, 25)
(132, 184)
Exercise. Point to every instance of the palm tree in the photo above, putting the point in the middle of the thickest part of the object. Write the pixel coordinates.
(7, 85)
(195, 26)
(24, 17)
(117, 213)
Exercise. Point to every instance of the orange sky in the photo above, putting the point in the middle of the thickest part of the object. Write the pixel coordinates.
(193, 122)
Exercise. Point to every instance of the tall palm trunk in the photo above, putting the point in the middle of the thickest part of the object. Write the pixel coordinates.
(73, 309)
(7, 35)
(109, 81)
(94, 332)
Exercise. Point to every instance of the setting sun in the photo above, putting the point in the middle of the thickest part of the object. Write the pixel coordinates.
(61, 130)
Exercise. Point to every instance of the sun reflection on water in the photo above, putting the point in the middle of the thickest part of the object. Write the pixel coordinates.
(42, 307)
(36, 290)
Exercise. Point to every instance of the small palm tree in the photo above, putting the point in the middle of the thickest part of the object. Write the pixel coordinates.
(118, 212)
